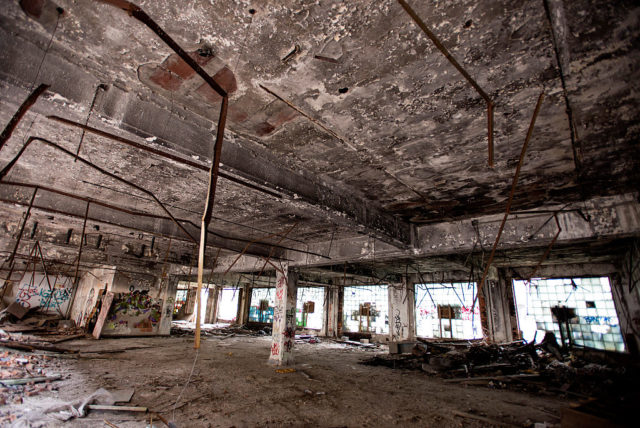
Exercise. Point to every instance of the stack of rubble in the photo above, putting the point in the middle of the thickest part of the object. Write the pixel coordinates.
(527, 366)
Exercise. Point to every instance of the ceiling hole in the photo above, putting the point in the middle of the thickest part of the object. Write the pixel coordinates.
(468, 24)
(252, 11)
(343, 90)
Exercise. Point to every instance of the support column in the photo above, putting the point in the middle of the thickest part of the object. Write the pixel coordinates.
(212, 306)
(402, 309)
(244, 301)
(333, 313)
(498, 320)
(284, 317)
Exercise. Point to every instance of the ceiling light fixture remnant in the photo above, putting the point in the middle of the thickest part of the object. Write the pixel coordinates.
(462, 71)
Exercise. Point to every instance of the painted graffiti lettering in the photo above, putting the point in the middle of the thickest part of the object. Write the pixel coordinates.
(25, 293)
(275, 349)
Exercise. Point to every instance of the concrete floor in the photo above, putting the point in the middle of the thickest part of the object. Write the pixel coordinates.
(232, 385)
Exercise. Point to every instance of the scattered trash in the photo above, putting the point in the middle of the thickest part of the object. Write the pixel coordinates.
(521, 365)
(285, 370)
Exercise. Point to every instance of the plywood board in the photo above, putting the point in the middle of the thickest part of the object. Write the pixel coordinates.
(104, 311)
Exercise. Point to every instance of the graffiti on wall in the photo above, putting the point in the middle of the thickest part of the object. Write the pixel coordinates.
(36, 293)
(134, 310)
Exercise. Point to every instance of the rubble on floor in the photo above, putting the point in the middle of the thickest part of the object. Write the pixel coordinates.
(23, 375)
(520, 365)
(184, 328)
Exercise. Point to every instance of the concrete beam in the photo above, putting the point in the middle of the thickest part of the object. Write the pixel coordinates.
(190, 135)
(612, 217)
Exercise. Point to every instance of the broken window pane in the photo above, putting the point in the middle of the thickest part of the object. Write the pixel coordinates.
(593, 322)
(444, 310)
(366, 309)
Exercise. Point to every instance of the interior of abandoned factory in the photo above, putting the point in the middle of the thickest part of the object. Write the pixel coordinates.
(319, 213)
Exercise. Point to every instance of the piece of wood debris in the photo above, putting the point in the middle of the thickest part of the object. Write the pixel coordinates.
(481, 419)
(26, 380)
(116, 408)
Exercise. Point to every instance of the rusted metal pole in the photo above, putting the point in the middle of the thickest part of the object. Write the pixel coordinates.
(84, 226)
(22, 110)
(11, 163)
(141, 16)
(208, 209)
(161, 153)
(11, 258)
(93, 103)
(511, 194)
(75, 275)
(548, 250)
(462, 71)
(24, 223)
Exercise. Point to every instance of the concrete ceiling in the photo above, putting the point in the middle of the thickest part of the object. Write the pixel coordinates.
(344, 119)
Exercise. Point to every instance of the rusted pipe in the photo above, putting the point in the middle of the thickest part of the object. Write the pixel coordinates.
(84, 226)
(458, 67)
(548, 250)
(93, 103)
(24, 223)
(11, 163)
(133, 213)
(511, 194)
(208, 209)
(160, 153)
(22, 110)
(279, 241)
(141, 16)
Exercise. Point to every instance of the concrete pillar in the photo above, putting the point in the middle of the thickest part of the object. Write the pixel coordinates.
(402, 311)
(332, 311)
(284, 317)
(244, 301)
(497, 307)
(212, 305)
(169, 287)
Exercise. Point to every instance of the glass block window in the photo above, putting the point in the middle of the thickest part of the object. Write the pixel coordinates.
(444, 310)
(307, 319)
(262, 312)
(595, 324)
(366, 309)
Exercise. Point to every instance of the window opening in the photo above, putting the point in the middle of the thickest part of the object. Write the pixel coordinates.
(586, 303)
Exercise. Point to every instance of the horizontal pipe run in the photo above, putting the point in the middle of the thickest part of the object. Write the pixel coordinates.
(441, 47)
(13, 161)
(160, 153)
(135, 213)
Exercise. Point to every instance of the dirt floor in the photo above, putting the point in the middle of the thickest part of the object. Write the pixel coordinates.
(233, 386)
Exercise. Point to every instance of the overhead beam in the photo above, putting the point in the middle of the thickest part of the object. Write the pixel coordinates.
(190, 136)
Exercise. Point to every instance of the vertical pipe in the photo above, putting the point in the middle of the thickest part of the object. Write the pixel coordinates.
(511, 194)
(490, 131)
(208, 208)
(75, 276)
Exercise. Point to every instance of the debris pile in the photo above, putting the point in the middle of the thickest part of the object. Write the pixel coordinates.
(23, 375)
(526, 366)
(183, 328)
